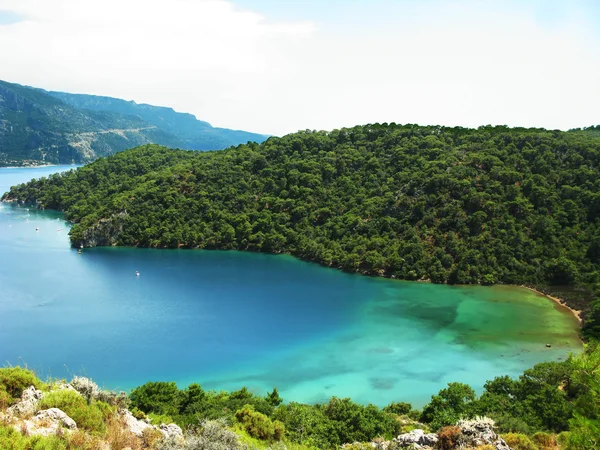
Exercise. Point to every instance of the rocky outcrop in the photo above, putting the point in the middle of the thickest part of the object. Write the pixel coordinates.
(480, 431)
(28, 405)
(417, 439)
(473, 433)
(171, 431)
(47, 422)
(135, 426)
(104, 233)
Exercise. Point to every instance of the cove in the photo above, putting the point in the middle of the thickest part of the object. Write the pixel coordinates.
(231, 319)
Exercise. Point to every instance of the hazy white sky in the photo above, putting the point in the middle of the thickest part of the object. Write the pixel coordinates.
(280, 66)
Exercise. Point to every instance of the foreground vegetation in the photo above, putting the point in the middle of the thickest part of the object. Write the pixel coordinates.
(553, 405)
(450, 205)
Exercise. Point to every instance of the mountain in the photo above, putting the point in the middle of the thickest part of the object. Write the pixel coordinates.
(195, 134)
(42, 127)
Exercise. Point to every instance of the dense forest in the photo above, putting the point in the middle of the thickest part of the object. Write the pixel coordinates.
(449, 205)
(551, 406)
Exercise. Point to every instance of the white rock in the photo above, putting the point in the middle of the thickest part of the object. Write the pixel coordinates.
(171, 431)
(417, 438)
(47, 422)
(134, 425)
(28, 404)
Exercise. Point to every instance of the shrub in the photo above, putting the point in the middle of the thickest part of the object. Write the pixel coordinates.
(545, 441)
(563, 438)
(14, 380)
(5, 398)
(87, 416)
(398, 408)
(212, 435)
(278, 430)
(85, 387)
(255, 423)
(448, 437)
(12, 439)
(156, 397)
(518, 441)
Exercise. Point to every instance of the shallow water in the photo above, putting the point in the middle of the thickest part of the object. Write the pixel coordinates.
(232, 319)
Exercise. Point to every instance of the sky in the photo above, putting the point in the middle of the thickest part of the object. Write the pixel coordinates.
(275, 67)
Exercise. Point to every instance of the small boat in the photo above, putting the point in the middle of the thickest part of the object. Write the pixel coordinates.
(79, 252)
(37, 229)
(137, 273)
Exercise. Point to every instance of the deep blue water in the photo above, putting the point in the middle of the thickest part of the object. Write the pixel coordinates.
(229, 319)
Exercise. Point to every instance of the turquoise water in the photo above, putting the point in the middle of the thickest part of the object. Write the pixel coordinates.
(233, 319)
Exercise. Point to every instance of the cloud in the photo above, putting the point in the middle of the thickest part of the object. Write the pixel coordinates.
(452, 63)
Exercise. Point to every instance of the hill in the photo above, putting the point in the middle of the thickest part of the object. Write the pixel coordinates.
(41, 127)
(195, 134)
(449, 205)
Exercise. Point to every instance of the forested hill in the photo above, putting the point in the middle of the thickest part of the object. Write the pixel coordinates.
(455, 205)
(41, 127)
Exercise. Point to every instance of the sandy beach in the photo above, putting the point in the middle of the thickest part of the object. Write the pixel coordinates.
(575, 312)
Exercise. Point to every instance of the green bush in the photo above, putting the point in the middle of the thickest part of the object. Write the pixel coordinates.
(156, 397)
(518, 441)
(5, 398)
(259, 425)
(14, 380)
(399, 408)
(11, 439)
(545, 441)
(88, 417)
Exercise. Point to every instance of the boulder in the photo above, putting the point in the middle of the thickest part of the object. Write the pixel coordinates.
(171, 431)
(47, 422)
(27, 406)
(134, 425)
(417, 439)
(480, 431)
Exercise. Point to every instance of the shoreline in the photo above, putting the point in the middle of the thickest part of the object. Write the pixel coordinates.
(29, 167)
(576, 313)
(557, 300)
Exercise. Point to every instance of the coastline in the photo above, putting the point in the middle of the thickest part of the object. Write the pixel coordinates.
(29, 167)
(557, 300)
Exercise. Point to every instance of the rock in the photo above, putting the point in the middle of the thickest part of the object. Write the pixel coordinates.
(55, 414)
(134, 425)
(417, 438)
(47, 422)
(480, 431)
(171, 431)
(501, 444)
(28, 404)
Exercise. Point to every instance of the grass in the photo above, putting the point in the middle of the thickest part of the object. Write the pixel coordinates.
(90, 417)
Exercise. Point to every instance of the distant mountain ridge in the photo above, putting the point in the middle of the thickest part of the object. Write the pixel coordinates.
(37, 126)
(196, 134)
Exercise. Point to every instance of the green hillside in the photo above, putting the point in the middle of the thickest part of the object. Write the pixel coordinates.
(450, 205)
(37, 127)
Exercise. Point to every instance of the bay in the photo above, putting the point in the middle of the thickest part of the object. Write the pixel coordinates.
(229, 319)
